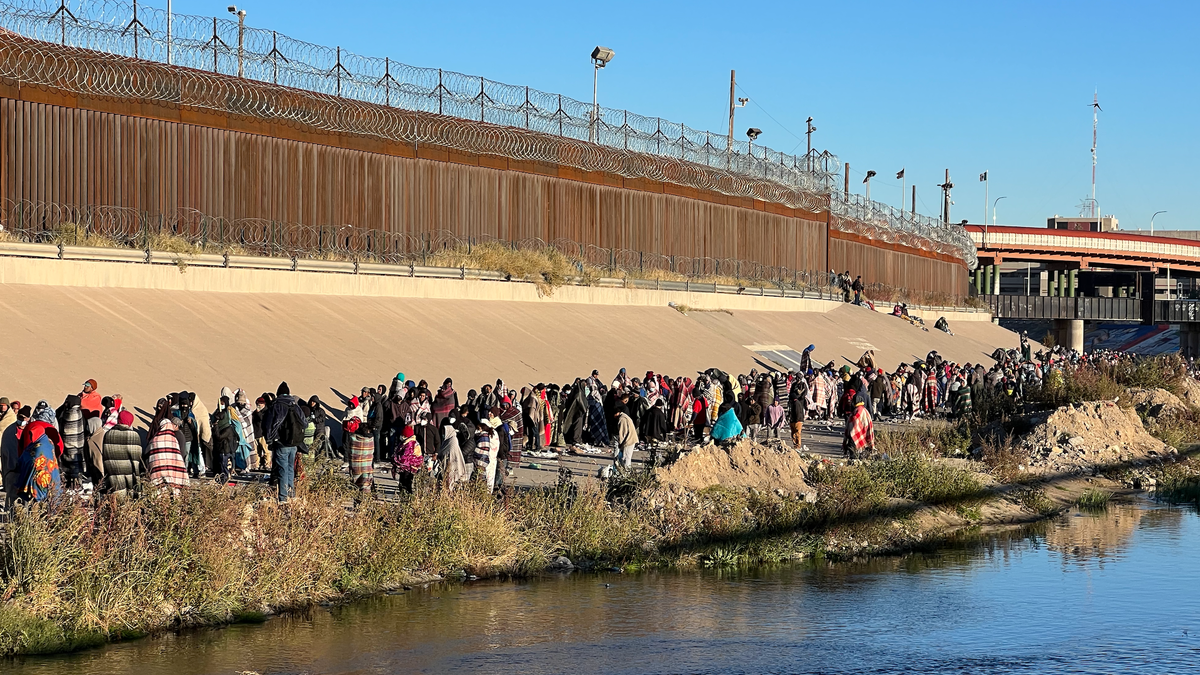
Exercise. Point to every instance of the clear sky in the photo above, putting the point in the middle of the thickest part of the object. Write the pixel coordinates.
(1003, 87)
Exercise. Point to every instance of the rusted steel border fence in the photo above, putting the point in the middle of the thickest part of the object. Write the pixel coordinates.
(42, 222)
(117, 49)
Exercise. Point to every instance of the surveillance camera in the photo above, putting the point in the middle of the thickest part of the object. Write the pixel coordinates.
(232, 9)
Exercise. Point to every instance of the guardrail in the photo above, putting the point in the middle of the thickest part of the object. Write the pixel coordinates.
(95, 254)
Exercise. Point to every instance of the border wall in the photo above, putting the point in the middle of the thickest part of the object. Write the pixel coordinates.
(64, 147)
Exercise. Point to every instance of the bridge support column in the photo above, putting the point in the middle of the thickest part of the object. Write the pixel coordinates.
(988, 285)
(1072, 282)
(1069, 333)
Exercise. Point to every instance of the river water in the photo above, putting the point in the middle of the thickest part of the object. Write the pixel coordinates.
(1107, 593)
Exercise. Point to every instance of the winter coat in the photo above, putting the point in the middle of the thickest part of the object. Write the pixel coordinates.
(627, 436)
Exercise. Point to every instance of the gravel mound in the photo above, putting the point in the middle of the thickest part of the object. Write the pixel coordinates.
(745, 465)
(1075, 438)
(1155, 402)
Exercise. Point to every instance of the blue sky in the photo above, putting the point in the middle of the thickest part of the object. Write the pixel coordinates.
(1003, 87)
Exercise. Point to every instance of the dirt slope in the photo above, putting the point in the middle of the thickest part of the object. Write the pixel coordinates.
(144, 343)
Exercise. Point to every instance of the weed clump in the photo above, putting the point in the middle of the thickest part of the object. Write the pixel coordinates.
(1093, 499)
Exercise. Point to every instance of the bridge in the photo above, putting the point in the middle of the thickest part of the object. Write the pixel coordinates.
(1066, 252)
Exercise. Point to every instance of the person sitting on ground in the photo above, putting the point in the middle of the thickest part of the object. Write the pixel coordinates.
(943, 325)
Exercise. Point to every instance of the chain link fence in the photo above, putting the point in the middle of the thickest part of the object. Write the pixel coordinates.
(261, 73)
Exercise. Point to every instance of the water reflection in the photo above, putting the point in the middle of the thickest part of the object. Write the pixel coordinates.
(1087, 593)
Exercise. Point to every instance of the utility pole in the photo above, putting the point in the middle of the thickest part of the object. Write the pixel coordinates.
(914, 202)
(846, 189)
(733, 106)
(946, 187)
(808, 134)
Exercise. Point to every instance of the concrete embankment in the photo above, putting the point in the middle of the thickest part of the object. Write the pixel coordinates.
(142, 330)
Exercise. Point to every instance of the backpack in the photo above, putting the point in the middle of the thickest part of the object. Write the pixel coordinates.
(291, 431)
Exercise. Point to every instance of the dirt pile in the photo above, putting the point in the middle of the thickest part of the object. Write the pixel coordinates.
(1075, 438)
(1191, 392)
(745, 465)
(1155, 402)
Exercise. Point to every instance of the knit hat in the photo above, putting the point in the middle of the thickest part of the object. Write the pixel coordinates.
(400, 376)
(4, 400)
(260, 401)
(125, 418)
(354, 402)
(408, 431)
(92, 384)
(283, 390)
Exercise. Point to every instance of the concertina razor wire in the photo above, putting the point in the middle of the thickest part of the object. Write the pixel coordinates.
(86, 47)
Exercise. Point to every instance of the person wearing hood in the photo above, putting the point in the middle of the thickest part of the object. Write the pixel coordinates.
(445, 402)
(359, 444)
(455, 470)
(806, 363)
(575, 413)
(188, 432)
(512, 433)
(285, 424)
(859, 437)
(534, 413)
(120, 457)
(72, 463)
(487, 448)
(165, 465)
(41, 445)
(407, 460)
(322, 445)
(10, 454)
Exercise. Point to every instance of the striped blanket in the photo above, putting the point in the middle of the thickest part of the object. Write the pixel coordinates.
(362, 460)
(164, 462)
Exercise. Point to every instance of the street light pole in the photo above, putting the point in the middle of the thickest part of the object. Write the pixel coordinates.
(985, 227)
(595, 101)
(1152, 221)
(600, 58)
(867, 182)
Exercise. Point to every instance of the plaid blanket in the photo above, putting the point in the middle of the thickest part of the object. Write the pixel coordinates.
(164, 461)
(362, 460)
(929, 395)
(860, 432)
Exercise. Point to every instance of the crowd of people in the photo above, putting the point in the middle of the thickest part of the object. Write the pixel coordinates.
(91, 443)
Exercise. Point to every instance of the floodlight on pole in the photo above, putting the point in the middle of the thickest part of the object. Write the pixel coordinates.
(867, 182)
(752, 133)
(600, 58)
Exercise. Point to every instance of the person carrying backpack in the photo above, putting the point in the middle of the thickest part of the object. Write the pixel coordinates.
(284, 425)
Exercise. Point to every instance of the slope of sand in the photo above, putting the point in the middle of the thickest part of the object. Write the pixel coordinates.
(144, 343)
